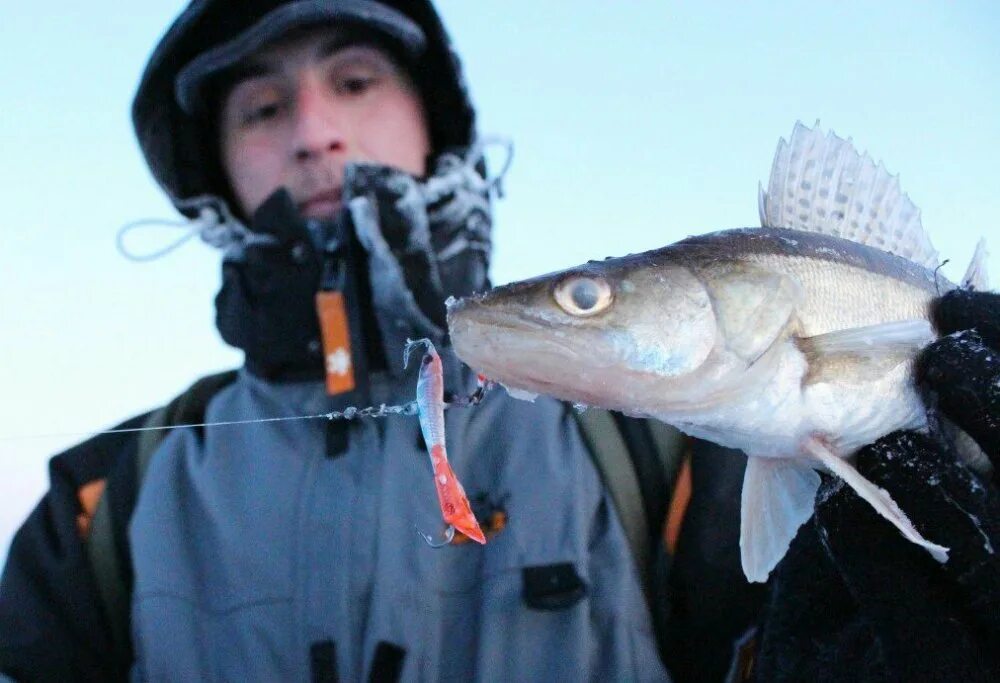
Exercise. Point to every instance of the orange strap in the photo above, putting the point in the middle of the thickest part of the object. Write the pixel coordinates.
(336, 342)
(678, 505)
(89, 495)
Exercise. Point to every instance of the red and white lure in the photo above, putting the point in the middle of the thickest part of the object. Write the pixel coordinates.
(455, 508)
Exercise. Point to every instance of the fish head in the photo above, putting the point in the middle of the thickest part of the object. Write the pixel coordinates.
(619, 333)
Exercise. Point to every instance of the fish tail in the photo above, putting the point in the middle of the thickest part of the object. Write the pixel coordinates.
(455, 507)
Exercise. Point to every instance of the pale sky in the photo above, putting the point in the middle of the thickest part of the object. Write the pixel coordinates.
(635, 124)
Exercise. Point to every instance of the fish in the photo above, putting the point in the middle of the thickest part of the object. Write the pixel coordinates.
(455, 507)
(793, 342)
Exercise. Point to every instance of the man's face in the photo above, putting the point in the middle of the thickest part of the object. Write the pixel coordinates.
(305, 107)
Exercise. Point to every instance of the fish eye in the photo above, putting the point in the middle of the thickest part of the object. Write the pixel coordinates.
(583, 296)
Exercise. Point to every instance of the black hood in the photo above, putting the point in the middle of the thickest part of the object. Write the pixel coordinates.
(181, 148)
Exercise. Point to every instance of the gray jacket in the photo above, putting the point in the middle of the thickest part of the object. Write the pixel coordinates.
(258, 558)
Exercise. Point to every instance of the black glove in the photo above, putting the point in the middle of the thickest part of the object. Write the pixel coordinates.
(853, 600)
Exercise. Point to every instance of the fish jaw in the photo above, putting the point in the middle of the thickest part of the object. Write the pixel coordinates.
(512, 351)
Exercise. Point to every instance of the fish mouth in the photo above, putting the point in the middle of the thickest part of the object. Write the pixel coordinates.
(525, 353)
(472, 311)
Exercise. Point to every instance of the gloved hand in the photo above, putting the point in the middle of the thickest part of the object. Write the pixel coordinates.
(853, 600)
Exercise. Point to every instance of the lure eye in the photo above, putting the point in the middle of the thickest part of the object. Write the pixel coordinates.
(583, 296)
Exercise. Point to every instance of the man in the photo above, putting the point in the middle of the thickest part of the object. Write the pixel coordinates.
(329, 148)
(287, 550)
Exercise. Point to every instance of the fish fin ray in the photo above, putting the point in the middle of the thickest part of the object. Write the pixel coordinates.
(871, 340)
(875, 496)
(778, 497)
(977, 274)
(762, 203)
(823, 184)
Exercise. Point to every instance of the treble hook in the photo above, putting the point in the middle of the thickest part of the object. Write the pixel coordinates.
(449, 536)
(412, 344)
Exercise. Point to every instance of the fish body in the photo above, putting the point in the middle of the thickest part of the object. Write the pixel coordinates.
(712, 335)
(795, 345)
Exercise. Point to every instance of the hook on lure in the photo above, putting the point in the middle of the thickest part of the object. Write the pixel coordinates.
(448, 536)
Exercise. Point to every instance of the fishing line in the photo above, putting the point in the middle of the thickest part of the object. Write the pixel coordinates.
(346, 414)
(351, 413)
(163, 427)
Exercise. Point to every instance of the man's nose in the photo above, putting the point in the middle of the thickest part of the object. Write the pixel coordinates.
(318, 127)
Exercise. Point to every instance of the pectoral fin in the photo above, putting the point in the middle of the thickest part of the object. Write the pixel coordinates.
(859, 354)
(778, 497)
(872, 340)
(877, 497)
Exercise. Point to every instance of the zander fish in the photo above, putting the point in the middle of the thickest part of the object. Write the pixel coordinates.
(793, 342)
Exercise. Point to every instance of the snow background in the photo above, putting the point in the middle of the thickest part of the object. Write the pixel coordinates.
(635, 124)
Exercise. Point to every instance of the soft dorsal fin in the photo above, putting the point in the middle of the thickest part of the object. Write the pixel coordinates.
(820, 183)
(977, 274)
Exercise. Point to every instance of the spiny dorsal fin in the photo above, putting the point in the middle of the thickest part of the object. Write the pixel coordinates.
(822, 184)
(977, 274)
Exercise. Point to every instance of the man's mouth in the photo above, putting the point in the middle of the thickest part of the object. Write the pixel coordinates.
(321, 205)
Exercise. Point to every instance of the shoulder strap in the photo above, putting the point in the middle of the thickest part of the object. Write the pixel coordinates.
(669, 446)
(639, 461)
(611, 456)
(188, 408)
(104, 561)
(102, 545)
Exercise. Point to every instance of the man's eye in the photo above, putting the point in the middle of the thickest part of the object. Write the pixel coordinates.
(354, 85)
(261, 113)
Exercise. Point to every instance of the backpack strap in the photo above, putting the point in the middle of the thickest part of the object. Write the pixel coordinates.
(639, 461)
(102, 552)
(611, 456)
(670, 447)
(188, 408)
(111, 570)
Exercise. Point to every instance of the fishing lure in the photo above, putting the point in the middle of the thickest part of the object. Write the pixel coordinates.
(455, 508)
